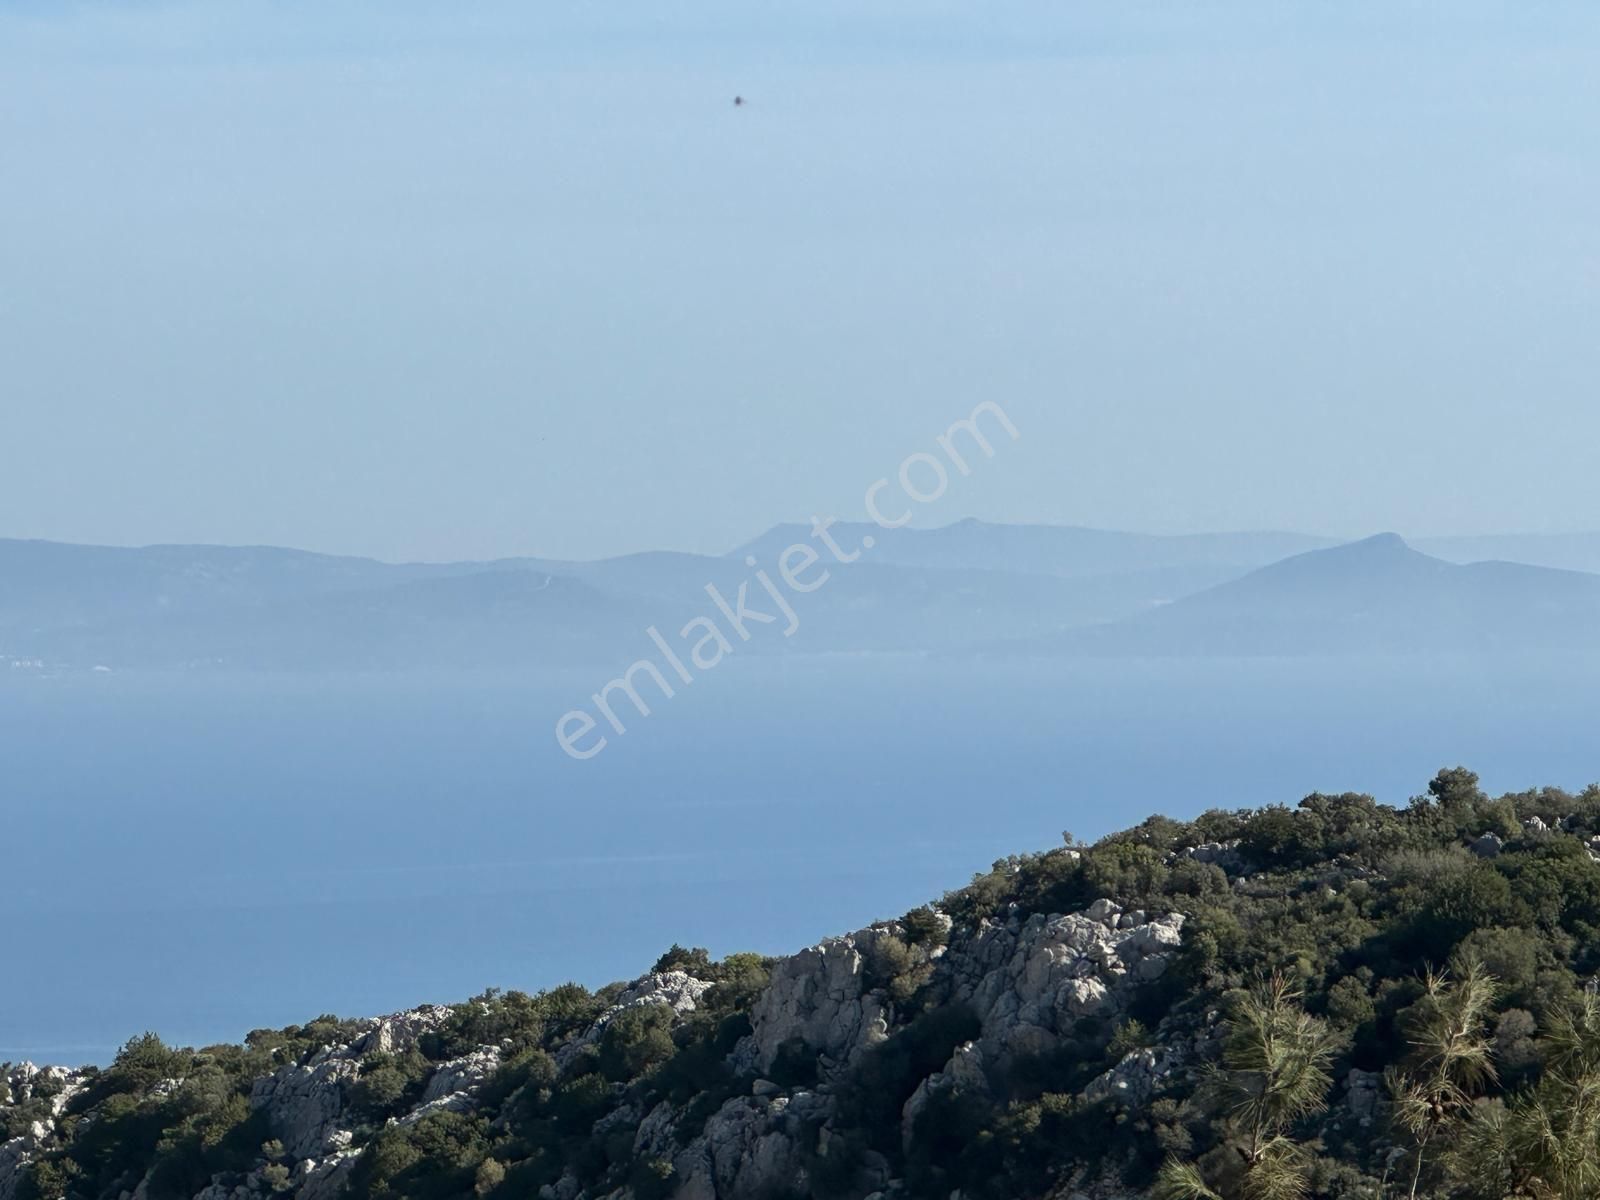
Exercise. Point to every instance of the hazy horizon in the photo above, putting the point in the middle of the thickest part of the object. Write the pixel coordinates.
(385, 282)
(924, 526)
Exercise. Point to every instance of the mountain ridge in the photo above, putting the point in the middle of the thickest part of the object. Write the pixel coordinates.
(1377, 595)
(1025, 589)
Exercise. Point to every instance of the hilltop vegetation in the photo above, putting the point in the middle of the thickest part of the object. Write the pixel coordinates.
(1339, 999)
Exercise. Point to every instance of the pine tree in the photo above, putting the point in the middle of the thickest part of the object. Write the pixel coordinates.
(1274, 1072)
(1449, 1063)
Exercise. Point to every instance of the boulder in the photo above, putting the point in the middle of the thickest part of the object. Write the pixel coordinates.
(1486, 846)
(1135, 1078)
(1105, 911)
(1362, 1092)
(1221, 854)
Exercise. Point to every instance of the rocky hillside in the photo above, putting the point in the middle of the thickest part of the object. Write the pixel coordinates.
(1341, 999)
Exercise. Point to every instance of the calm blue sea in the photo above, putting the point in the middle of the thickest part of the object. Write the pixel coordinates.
(202, 855)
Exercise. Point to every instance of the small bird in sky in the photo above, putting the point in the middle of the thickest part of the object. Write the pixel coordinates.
(738, 101)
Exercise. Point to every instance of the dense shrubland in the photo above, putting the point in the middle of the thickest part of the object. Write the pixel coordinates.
(1368, 1002)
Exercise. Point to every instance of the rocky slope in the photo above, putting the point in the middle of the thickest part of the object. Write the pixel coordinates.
(1027, 980)
(1057, 1029)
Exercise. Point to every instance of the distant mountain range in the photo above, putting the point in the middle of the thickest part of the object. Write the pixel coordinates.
(1065, 550)
(1028, 589)
(1563, 551)
(1377, 596)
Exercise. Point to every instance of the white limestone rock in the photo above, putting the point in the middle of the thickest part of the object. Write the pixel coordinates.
(25, 1083)
(1105, 911)
(654, 1138)
(1030, 981)
(462, 1075)
(676, 990)
(305, 1102)
(1220, 854)
(400, 1032)
(747, 1149)
(821, 996)
(324, 1179)
(1135, 1078)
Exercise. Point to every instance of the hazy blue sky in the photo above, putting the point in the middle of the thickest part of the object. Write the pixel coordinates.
(459, 280)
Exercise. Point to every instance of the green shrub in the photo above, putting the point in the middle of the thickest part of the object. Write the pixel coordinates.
(925, 927)
(635, 1041)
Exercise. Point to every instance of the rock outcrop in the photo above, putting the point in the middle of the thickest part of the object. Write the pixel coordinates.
(307, 1103)
(1221, 854)
(1024, 982)
(750, 1147)
(1028, 981)
(40, 1095)
(1136, 1077)
(677, 991)
(823, 998)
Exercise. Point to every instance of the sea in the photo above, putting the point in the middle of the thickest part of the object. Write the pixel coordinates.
(204, 854)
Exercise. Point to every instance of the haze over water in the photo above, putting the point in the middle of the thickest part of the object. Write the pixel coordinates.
(206, 855)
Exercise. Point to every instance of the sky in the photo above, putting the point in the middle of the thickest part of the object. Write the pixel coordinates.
(458, 281)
